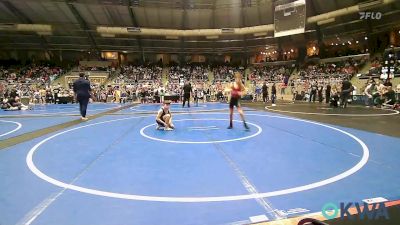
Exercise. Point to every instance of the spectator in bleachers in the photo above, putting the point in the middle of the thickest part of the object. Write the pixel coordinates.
(389, 97)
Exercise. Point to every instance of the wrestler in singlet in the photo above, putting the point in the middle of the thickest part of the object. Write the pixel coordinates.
(236, 92)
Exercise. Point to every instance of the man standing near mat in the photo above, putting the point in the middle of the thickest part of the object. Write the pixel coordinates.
(82, 94)
(236, 89)
(187, 90)
(347, 88)
(273, 94)
(265, 92)
(313, 92)
(327, 93)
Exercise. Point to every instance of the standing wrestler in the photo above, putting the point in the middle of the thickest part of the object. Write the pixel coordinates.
(236, 89)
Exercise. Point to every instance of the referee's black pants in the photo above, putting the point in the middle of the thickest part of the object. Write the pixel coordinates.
(186, 98)
(343, 99)
(265, 97)
(83, 103)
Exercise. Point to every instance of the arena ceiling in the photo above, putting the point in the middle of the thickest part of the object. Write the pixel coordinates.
(75, 22)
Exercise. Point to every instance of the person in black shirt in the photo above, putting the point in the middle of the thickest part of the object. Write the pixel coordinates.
(5, 104)
(320, 89)
(13, 98)
(14, 93)
(347, 88)
(388, 83)
(389, 96)
(264, 89)
(187, 90)
(82, 94)
(196, 97)
(142, 95)
(327, 93)
(49, 96)
(313, 92)
(156, 96)
(56, 92)
(273, 94)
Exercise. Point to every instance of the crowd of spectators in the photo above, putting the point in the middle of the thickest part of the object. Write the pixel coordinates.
(31, 81)
(383, 65)
(226, 73)
(138, 74)
(140, 82)
(177, 74)
(270, 74)
(38, 74)
(329, 70)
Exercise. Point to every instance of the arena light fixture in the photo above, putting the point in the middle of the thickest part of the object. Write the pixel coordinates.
(260, 34)
(172, 37)
(369, 5)
(322, 22)
(7, 26)
(44, 33)
(33, 27)
(38, 28)
(107, 35)
(212, 37)
(133, 29)
(227, 30)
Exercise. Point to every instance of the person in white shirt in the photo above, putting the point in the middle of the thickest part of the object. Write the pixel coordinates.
(369, 90)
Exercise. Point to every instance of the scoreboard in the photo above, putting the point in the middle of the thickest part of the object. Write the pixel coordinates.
(289, 18)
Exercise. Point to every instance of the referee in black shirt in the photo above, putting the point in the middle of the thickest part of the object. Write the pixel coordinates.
(82, 94)
(265, 92)
(187, 90)
(347, 88)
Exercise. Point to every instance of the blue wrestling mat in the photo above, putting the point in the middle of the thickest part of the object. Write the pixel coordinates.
(119, 169)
